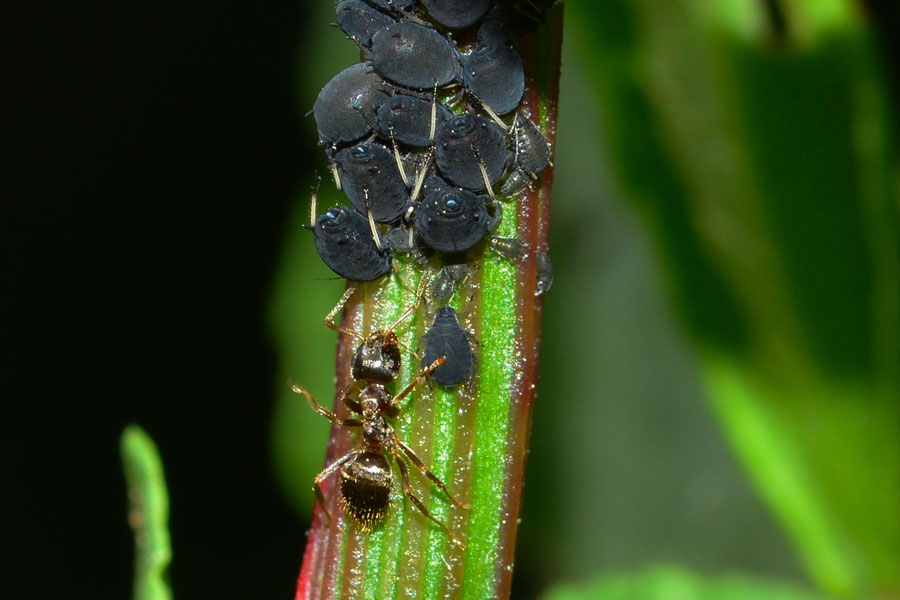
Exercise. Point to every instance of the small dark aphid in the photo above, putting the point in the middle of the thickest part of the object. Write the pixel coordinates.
(409, 119)
(495, 76)
(452, 220)
(443, 285)
(360, 21)
(544, 279)
(392, 4)
(347, 244)
(532, 156)
(345, 108)
(447, 338)
(456, 14)
(369, 173)
(366, 481)
(471, 152)
(413, 56)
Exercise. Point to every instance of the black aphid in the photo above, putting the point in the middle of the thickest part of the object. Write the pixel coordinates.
(444, 283)
(452, 220)
(345, 108)
(532, 155)
(410, 119)
(544, 279)
(395, 5)
(369, 173)
(347, 244)
(447, 338)
(456, 14)
(360, 21)
(413, 56)
(495, 76)
(464, 145)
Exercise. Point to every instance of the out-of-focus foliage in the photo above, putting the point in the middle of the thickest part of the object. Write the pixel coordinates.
(764, 161)
(674, 584)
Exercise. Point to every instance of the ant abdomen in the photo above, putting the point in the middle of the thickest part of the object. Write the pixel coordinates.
(366, 488)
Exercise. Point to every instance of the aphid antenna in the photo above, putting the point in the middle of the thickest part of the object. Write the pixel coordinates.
(397, 158)
(375, 237)
(420, 176)
(484, 175)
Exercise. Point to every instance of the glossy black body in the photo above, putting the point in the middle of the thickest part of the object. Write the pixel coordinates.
(465, 140)
(344, 241)
(452, 220)
(414, 56)
(360, 21)
(495, 75)
(370, 169)
(409, 117)
(446, 337)
(345, 108)
(456, 14)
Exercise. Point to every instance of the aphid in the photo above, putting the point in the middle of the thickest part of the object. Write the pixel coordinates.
(409, 119)
(456, 14)
(345, 108)
(369, 172)
(349, 244)
(494, 74)
(444, 283)
(471, 152)
(366, 479)
(532, 155)
(452, 220)
(413, 56)
(395, 5)
(544, 279)
(360, 22)
(447, 338)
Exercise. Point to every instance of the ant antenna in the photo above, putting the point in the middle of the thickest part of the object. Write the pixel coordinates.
(375, 236)
(420, 176)
(397, 158)
(420, 293)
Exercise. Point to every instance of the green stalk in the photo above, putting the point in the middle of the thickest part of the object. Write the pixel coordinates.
(474, 437)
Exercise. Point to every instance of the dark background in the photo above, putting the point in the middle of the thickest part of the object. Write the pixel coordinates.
(154, 151)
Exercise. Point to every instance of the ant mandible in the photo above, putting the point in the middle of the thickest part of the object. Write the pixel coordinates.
(366, 477)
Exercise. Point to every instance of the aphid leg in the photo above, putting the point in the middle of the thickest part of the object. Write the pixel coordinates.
(324, 411)
(375, 237)
(433, 114)
(396, 400)
(328, 472)
(335, 174)
(434, 478)
(484, 175)
(420, 176)
(506, 128)
(312, 201)
(329, 319)
(397, 158)
(407, 490)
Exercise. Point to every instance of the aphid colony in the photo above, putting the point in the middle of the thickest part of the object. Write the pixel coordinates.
(421, 137)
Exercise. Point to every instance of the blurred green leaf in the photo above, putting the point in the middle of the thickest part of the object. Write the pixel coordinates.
(148, 514)
(668, 583)
(764, 160)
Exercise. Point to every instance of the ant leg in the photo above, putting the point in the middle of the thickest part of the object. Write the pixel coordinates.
(329, 319)
(324, 411)
(407, 490)
(347, 397)
(328, 472)
(421, 466)
(395, 402)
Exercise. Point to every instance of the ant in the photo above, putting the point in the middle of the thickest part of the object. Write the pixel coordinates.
(366, 478)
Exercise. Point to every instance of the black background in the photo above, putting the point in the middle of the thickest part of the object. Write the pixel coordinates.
(153, 152)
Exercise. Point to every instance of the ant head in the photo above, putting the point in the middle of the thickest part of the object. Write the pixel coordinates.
(377, 358)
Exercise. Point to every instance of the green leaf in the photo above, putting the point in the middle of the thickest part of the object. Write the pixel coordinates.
(764, 163)
(148, 514)
(670, 583)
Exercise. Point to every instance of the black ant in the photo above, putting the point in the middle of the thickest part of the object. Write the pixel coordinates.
(366, 478)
